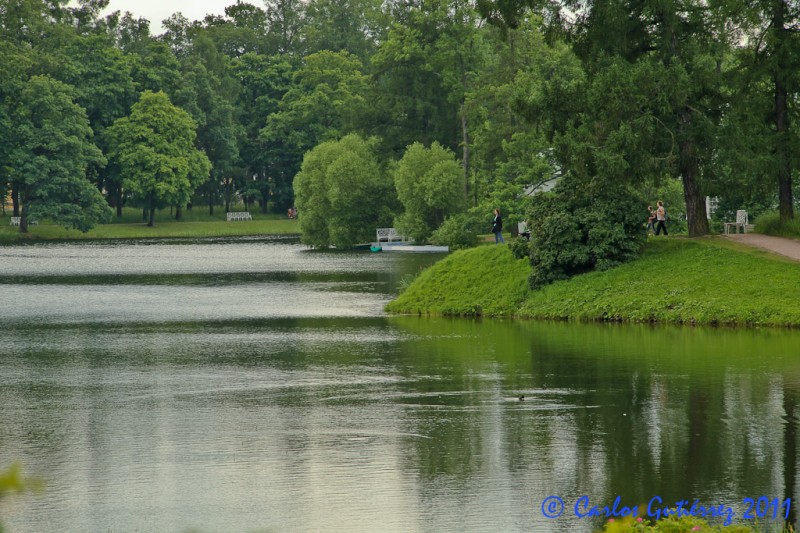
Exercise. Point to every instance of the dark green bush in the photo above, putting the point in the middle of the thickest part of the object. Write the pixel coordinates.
(580, 227)
(520, 247)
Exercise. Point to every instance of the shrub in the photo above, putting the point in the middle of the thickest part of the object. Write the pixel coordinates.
(520, 247)
(579, 227)
(770, 224)
(458, 231)
(672, 524)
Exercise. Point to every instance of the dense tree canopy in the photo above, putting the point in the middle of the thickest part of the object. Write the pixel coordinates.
(516, 94)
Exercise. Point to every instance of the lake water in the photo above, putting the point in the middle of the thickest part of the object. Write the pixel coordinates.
(253, 385)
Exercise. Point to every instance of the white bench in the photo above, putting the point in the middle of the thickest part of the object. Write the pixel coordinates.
(741, 222)
(15, 221)
(238, 215)
(389, 235)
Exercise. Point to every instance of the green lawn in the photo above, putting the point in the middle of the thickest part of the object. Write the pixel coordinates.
(704, 281)
(163, 228)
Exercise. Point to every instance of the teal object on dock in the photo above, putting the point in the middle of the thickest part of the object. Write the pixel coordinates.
(375, 248)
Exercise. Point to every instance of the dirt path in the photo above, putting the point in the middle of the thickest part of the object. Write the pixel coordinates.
(780, 245)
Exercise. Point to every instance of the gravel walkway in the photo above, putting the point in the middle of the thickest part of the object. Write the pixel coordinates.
(780, 245)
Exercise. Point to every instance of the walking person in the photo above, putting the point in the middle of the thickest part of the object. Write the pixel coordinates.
(497, 227)
(661, 218)
(651, 219)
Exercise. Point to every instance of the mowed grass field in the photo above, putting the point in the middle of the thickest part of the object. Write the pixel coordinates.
(196, 223)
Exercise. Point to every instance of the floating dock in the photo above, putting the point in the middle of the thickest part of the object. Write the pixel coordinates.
(404, 247)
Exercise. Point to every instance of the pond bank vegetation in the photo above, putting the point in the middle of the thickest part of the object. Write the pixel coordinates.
(707, 281)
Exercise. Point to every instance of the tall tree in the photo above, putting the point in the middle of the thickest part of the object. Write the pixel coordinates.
(285, 19)
(209, 92)
(155, 151)
(51, 151)
(355, 26)
(430, 185)
(264, 81)
(422, 73)
(766, 78)
(325, 102)
(342, 193)
(243, 30)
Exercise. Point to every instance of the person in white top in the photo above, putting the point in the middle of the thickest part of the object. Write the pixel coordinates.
(661, 217)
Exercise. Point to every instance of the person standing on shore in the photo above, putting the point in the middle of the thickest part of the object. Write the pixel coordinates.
(497, 227)
(661, 217)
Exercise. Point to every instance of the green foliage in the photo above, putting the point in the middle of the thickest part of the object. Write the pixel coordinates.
(458, 231)
(264, 81)
(352, 26)
(154, 150)
(341, 193)
(430, 185)
(51, 151)
(520, 247)
(770, 224)
(423, 68)
(582, 227)
(671, 524)
(12, 481)
(487, 280)
(323, 103)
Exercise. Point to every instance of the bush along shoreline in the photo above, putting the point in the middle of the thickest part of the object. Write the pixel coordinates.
(707, 281)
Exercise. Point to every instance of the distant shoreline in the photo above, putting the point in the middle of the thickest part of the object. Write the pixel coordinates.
(10, 235)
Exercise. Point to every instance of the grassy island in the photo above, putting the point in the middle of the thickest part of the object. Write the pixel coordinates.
(699, 281)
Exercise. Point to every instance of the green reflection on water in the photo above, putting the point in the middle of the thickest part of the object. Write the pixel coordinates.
(609, 410)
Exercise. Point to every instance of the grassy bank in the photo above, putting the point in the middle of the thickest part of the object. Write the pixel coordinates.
(217, 228)
(487, 280)
(706, 281)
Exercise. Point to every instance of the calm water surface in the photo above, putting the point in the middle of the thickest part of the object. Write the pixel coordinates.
(252, 385)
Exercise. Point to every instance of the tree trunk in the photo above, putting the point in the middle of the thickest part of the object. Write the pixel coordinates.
(119, 202)
(23, 221)
(465, 142)
(689, 169)
(782, 142)
(179, 213)
(152, 221)
(15, 200)
(210, 204)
